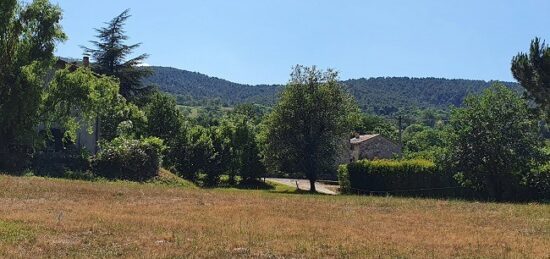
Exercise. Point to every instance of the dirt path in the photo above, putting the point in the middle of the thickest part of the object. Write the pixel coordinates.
(304, 185)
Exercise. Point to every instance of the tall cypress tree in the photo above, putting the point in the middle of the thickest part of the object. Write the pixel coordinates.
(111, 56)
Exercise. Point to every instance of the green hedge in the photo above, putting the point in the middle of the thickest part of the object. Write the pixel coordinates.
(396, 177)
(129, 159)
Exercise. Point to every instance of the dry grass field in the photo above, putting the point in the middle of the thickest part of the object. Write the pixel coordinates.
(61, 218)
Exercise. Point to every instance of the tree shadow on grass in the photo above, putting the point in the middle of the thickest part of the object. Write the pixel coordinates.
(255, 185)
(270, 187)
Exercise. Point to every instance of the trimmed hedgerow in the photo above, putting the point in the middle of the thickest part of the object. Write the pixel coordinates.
(129, 159)
(399, 177)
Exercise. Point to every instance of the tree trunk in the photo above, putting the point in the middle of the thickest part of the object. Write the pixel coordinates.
(312, 186)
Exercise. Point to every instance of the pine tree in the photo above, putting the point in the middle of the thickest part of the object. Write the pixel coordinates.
(111, 53)
(533, 73)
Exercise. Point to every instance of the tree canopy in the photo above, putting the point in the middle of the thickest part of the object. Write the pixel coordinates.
(28, 34)
(493, 142)
(77, 98)
(111, 56)
(309, 124)
(532, 70)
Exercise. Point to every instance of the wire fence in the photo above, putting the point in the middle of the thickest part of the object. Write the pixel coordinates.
(364, 191)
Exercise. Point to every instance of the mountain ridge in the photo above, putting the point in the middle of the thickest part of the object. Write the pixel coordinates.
(380, 95)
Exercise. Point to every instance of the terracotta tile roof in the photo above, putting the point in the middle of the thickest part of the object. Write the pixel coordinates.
(362, 138)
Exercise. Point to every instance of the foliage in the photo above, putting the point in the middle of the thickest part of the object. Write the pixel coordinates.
(246, 152)
(223, 143)
(372, 124)
(77, 98)
(252, 112)
(111, 56)
(129, 159)
(405, 177)
(493, 143)
(163, 117)
(384, 96)
(195, 89)
(539, 181)
(306, 128)
(28, 34)
(122, 112)
(60, 164)
(532, 71)
(192, 153)
(424, 142)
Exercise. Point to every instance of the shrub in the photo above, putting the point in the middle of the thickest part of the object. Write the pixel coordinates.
(539, 182)
(405, 177)
(61, 164)
(129, 159)
(191, 153)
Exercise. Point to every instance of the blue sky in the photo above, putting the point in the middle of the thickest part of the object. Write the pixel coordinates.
(258, 41)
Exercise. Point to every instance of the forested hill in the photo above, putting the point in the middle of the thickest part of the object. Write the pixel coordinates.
(192, 86)
(382, 95)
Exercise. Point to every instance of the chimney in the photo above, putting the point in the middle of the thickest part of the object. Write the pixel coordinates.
(86, 61)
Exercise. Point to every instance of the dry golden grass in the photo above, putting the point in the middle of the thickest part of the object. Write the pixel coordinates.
(60, 218)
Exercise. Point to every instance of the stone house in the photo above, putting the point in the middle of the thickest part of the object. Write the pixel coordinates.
(372, 147)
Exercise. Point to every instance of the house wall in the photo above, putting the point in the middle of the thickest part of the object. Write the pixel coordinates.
(87, 140)
(84, 139)
(376, 148)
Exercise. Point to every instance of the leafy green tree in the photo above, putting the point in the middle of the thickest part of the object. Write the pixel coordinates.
(309, 124)
(163, 117)
(372, 124)
(28, 35)
(253, 112)
(424, 142)
(120, 111)
(192, 152)
(111, 57)
(493, 142)
(223, 137)
(532, 71)
(246, 152)
(77, 98)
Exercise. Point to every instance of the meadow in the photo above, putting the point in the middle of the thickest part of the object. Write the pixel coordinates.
(41, 217)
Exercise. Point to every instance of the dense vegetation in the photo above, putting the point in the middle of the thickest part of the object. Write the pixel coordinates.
(419, 178)
(381, 96)
(495, 143)
(531, 70)
(304, 133)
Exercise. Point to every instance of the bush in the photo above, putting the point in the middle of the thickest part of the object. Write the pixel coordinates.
(16, 158)
(405, 177)
(192, 153)
(539, 182)
(129, 159)
(60, 164)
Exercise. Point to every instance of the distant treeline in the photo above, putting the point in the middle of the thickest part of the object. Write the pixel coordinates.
(382, 95)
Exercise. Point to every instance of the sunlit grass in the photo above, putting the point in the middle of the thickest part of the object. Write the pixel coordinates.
(64, 218)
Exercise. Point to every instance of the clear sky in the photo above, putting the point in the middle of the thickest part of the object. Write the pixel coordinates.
(258, 41)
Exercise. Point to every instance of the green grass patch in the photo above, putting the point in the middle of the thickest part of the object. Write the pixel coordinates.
(15, 232)
(167, 178)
